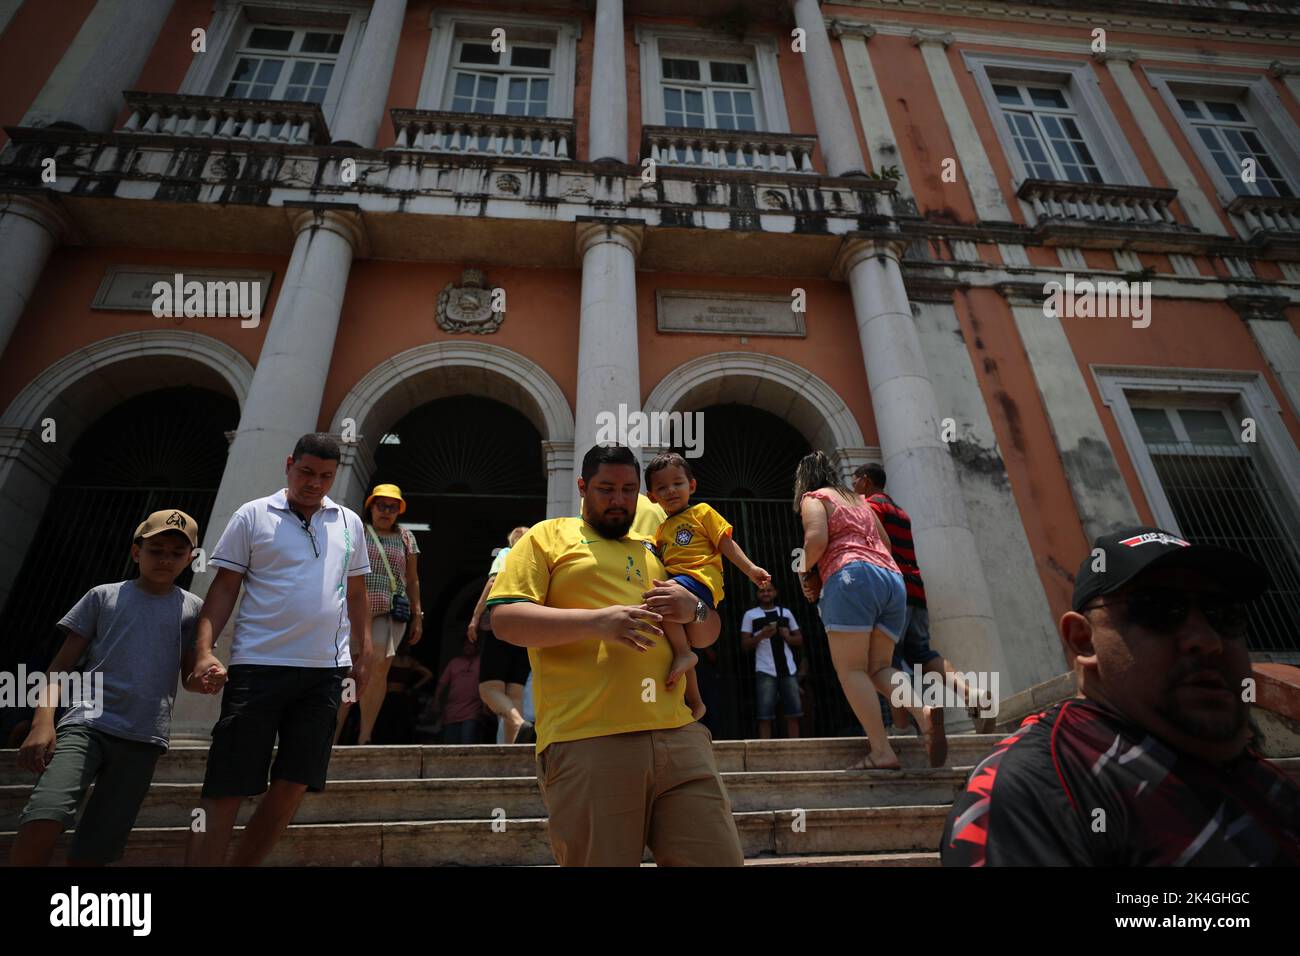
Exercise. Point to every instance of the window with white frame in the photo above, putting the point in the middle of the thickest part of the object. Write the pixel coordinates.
(1229, 119)
(1229, 136)
(709, 93)
(1052, 119)
(701, 81)
(532, 76)
(1206, 483)
(515, 81)
(284, 63)
(1046, 133)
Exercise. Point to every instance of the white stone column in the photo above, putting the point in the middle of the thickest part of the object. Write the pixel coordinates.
(609, 371)
(559, 478)
(283, 401)
(607, 123)
(835, 133)
(1288, 73)
(922, 478)
(1099, 490)
(882, 145)
(1191, 197)
(104, 59)
(981, 181)
(1265, 316)
(30, 228)
(361, 107)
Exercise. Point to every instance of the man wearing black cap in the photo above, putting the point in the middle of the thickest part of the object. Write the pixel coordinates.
(1150, 765)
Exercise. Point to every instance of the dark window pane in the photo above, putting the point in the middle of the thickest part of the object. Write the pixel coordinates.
(728, 72)
(265, 39)
(1047, 97)
(675, 69)
(478, 53)
(1008, 94)
(538, 58)
(322, 42)
(1225, 111)
(1191, 108)
(1206, 427)
(1154, 425)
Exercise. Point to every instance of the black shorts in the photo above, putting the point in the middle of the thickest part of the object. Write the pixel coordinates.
(502, 661)
(261, 702)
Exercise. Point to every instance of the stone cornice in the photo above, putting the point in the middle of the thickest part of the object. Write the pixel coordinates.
(1126, 56)
(1279, 69)
(1159, 19)
(1271, 307)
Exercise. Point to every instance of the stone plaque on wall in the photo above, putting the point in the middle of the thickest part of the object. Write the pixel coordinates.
(727, 313)
(130, 288)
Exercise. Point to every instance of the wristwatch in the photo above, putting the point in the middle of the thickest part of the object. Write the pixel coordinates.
(701, 611)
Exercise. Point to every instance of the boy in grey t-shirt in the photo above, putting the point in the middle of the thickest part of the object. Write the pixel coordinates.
(134, 636)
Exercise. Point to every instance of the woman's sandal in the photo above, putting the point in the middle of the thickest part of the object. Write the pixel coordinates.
(866, 763)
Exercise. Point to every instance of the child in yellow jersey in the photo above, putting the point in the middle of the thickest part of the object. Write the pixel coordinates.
(691, 541)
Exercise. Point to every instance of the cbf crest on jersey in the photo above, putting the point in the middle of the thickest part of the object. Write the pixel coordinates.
(683, 537)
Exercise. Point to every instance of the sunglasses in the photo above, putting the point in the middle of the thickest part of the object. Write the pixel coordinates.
(1165, 609)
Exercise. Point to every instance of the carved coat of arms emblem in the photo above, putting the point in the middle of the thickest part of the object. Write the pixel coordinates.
(469, 307)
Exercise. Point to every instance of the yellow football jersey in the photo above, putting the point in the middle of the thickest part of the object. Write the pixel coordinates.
(591, 688)
(689, 543)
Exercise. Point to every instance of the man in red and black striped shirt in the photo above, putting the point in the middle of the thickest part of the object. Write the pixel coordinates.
(914, 648)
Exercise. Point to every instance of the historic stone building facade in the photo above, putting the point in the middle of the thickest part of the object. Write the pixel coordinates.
(475, 228)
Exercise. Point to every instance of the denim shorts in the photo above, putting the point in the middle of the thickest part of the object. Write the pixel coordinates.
(765, 698)
(862, 597)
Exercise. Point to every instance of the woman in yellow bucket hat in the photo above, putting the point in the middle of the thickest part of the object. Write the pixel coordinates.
(393, 589)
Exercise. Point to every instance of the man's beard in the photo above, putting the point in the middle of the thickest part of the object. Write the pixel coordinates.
(612, 529)
(1217, 726)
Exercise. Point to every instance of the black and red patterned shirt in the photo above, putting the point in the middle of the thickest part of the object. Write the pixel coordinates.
(1077, 785)
(898, 525)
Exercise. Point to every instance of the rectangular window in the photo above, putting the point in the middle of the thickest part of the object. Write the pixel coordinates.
(1219, 495)
(514, 82)
(285, 63)
(1046, 133)
(1231, 139)
(705, 93)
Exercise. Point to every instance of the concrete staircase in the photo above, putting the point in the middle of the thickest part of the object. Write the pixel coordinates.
(436, 805)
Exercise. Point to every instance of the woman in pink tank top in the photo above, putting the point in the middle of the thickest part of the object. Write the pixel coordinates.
(862, 603)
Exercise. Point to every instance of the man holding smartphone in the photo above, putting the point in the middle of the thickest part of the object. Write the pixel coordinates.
(770, 631)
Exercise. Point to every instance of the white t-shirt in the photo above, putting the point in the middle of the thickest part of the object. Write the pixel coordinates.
(753, 621)
(295, 607)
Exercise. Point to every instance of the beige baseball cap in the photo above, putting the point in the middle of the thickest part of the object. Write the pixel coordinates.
(169, 519)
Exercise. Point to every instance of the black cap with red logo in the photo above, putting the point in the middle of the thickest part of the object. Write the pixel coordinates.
(1126, 554)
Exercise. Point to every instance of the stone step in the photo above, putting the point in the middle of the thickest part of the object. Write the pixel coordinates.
(185, 763)
(470, 798)
(850, 859)
(909, 831)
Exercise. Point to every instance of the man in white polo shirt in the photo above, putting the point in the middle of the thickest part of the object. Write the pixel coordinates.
(303, 623)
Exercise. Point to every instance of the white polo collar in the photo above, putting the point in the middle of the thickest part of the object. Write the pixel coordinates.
(280, 502)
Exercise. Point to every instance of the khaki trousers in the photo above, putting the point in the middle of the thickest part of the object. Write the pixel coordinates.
(611, 797)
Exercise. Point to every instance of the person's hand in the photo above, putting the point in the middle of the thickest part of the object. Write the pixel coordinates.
(767, 630)
(760, 577)
(472, 633)
(208, 677)
(37, 749)
(630, 625)
(674, 602)
(416, 630)
(360, 672)
(811, 584)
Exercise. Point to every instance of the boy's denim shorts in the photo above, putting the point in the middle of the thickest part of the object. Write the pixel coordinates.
(862, 597)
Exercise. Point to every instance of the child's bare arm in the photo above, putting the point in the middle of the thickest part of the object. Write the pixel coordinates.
(733, 553)
(36, 749)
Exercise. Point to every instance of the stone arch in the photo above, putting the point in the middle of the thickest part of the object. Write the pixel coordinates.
(75, 391)
(775, 385)
(440, 369)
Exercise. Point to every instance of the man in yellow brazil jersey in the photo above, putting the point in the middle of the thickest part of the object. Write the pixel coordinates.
(620, 762)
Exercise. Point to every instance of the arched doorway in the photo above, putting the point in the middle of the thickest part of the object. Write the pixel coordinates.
(470, 469)
(747, 474)
(161, 449)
